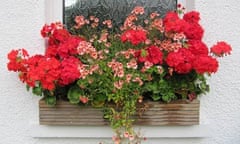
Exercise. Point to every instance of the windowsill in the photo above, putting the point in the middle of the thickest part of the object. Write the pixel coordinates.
(42, 131)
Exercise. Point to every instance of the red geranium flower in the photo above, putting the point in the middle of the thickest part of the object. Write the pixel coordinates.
(69, 70)
(206, 64)
(43, 69)
(221, 48)
(197, 47)
(61, 35)
(181, 61)
(193, 31)
(192, 17)
(134, 36)
(152, 54)
(69, 47)
(172, 23)
(47, 30)
(51, 51)
(16, 60)
(155, 55)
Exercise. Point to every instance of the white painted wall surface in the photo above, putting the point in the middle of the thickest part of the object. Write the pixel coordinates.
(20, 22)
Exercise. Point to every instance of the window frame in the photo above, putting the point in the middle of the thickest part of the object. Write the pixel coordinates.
(54, 9)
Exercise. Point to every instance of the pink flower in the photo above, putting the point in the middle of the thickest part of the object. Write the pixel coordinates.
(117, 68)
(131, 137)
(83, 99)
(116, 140)
(126, 134)
(85, 47)
(147, 65)
(108, 23)
(138, 10)
(104, 37)
(80, 21)
(132, 64)
(118, 84)
(153, 15)
(158, 24)
(128, 78)
(138, 79)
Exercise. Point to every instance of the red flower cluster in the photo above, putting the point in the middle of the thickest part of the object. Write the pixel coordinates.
(172, 23)
(192, 17)
(181, 60)
(69, 70)
(197, 47)
(16, 60)
(60, 42)
(175, 45)
(196, 55)
(153, 55)
(221, 48)
(35, 69)
(49, 29)
(188, 25)
(57, 66)
(134, 36)
(69, 47)
(194, 31)
(60, 35)
(43, 70)
(204, 64)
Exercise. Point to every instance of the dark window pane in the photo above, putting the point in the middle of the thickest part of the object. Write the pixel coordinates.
(116, 10)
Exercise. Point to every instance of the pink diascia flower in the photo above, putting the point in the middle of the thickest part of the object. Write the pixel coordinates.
(117, 68)
(118, 84)
(80, 21)
(138, 10)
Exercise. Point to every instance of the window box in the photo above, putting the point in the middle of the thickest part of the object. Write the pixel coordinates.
(151, 113)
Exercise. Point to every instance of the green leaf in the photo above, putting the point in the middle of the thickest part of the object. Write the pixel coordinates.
(50, 100)
(37, 91)
(27, 87)
(168, 97)
(156, 97)
(74, 94)
(143, 53)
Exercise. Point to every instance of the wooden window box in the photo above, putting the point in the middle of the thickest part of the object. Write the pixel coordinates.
(155, 113)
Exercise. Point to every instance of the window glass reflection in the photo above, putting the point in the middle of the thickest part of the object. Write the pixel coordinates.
(116, 10)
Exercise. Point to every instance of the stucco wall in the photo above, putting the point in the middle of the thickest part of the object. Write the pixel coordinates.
(19, 27)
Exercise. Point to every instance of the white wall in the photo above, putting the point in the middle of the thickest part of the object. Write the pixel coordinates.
(20, 22)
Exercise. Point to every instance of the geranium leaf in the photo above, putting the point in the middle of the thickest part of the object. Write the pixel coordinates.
(37, 91)
(156, 97)
(50, 100)
(74, 94)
